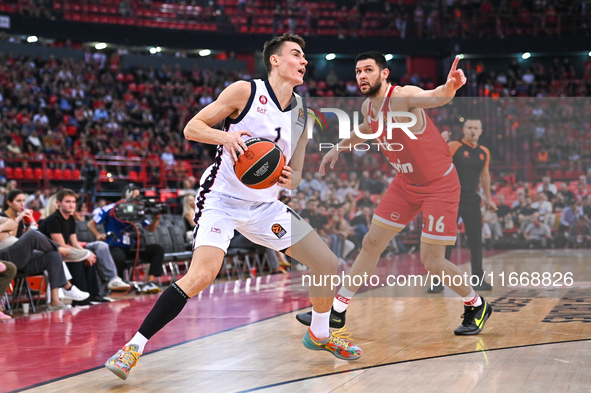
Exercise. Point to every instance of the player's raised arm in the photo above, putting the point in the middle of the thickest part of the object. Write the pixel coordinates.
(229, 104)
(346, 144)
(441, 95)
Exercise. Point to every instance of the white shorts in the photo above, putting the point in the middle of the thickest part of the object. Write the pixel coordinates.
(270, 224)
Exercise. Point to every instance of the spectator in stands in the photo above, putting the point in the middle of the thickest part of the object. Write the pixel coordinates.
(579, 234)
(339, 230)
(60, 226)
(89, 176)
(587, 208)
(548, 187)
(14, 208)
(189, 213)
(7, 273)
(120, 244)
(504, 213)
(188, 187)
(538, 234)
(583, 188)
(34, 253)
(569, 215)
(568, 194)
(525, 215)
(360, 224)
(491, 220)
(542, 205)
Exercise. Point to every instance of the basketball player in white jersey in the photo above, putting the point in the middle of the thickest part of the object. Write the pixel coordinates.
(223, 204)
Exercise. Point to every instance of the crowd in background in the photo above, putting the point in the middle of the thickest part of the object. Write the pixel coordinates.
(352, 18)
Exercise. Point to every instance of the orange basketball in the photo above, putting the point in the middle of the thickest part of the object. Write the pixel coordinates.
(261, 165)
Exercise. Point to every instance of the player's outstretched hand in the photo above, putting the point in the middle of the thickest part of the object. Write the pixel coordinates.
(332, 156)
(285, 178)
(234, 144)
(455, 78)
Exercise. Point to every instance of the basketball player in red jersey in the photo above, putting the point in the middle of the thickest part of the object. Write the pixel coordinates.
(426, 182)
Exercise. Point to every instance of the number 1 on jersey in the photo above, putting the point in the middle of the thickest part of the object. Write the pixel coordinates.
(439, 226)
(278, 131)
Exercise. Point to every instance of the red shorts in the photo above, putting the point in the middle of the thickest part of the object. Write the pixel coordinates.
(438, 200)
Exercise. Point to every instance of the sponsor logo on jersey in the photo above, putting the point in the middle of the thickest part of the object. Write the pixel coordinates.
(216, 230)
(263, 99)
(278, 230)
(395, 216)
(481, 157)
(466, 153)
(402, 167)
(301, 117)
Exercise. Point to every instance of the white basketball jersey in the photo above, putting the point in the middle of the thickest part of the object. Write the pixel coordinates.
(264, 118)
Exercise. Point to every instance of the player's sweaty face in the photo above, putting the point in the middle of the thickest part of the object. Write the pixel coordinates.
(368, 77)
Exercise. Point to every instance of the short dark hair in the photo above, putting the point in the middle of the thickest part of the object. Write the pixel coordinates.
(273, 47)
(64, 192)
(375, 55)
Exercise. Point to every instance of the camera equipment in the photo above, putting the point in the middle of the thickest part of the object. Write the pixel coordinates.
(135, 211)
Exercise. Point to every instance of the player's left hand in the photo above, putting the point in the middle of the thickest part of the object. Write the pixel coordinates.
(490, 205)
(455, 78)
(285, 178)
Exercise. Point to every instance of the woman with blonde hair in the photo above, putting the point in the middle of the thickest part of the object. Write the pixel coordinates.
(189, 212)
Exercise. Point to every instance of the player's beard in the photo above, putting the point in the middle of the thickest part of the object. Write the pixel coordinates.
(374, 89)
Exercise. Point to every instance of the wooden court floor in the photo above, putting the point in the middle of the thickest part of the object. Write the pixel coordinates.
(245, 338)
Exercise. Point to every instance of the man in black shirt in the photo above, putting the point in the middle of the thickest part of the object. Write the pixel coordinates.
(471, 161)
(61, 228)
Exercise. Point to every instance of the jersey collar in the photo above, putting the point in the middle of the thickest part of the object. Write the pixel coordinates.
(276, 101)
(468, 144)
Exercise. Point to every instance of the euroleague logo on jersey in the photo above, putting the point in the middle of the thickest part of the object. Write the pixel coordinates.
(263, 99)
(278, 230)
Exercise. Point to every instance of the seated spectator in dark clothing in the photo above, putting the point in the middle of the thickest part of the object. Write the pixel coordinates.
(579, 235)
(587, 209)
(503, 210)
(570, 214)
(538, 234)
(34, 253)
(364, 200)
(547, 187)
(60, 227)
(361, 224)
(7, 273)
(525, 214)
(568, 194)
(121, 241)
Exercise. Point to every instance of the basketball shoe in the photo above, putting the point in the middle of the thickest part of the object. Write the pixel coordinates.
(337, 319)
(123, 361)
(474, 319)
(338, 343)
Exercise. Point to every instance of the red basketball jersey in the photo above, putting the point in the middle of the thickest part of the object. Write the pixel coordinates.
(420, 160)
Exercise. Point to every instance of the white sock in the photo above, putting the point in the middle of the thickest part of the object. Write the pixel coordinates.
(472, 299)
(341, 300)
(319, 324)
(138, 340)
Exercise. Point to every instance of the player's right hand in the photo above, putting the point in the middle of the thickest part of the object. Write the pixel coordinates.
(332, 156)
(234, 143)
